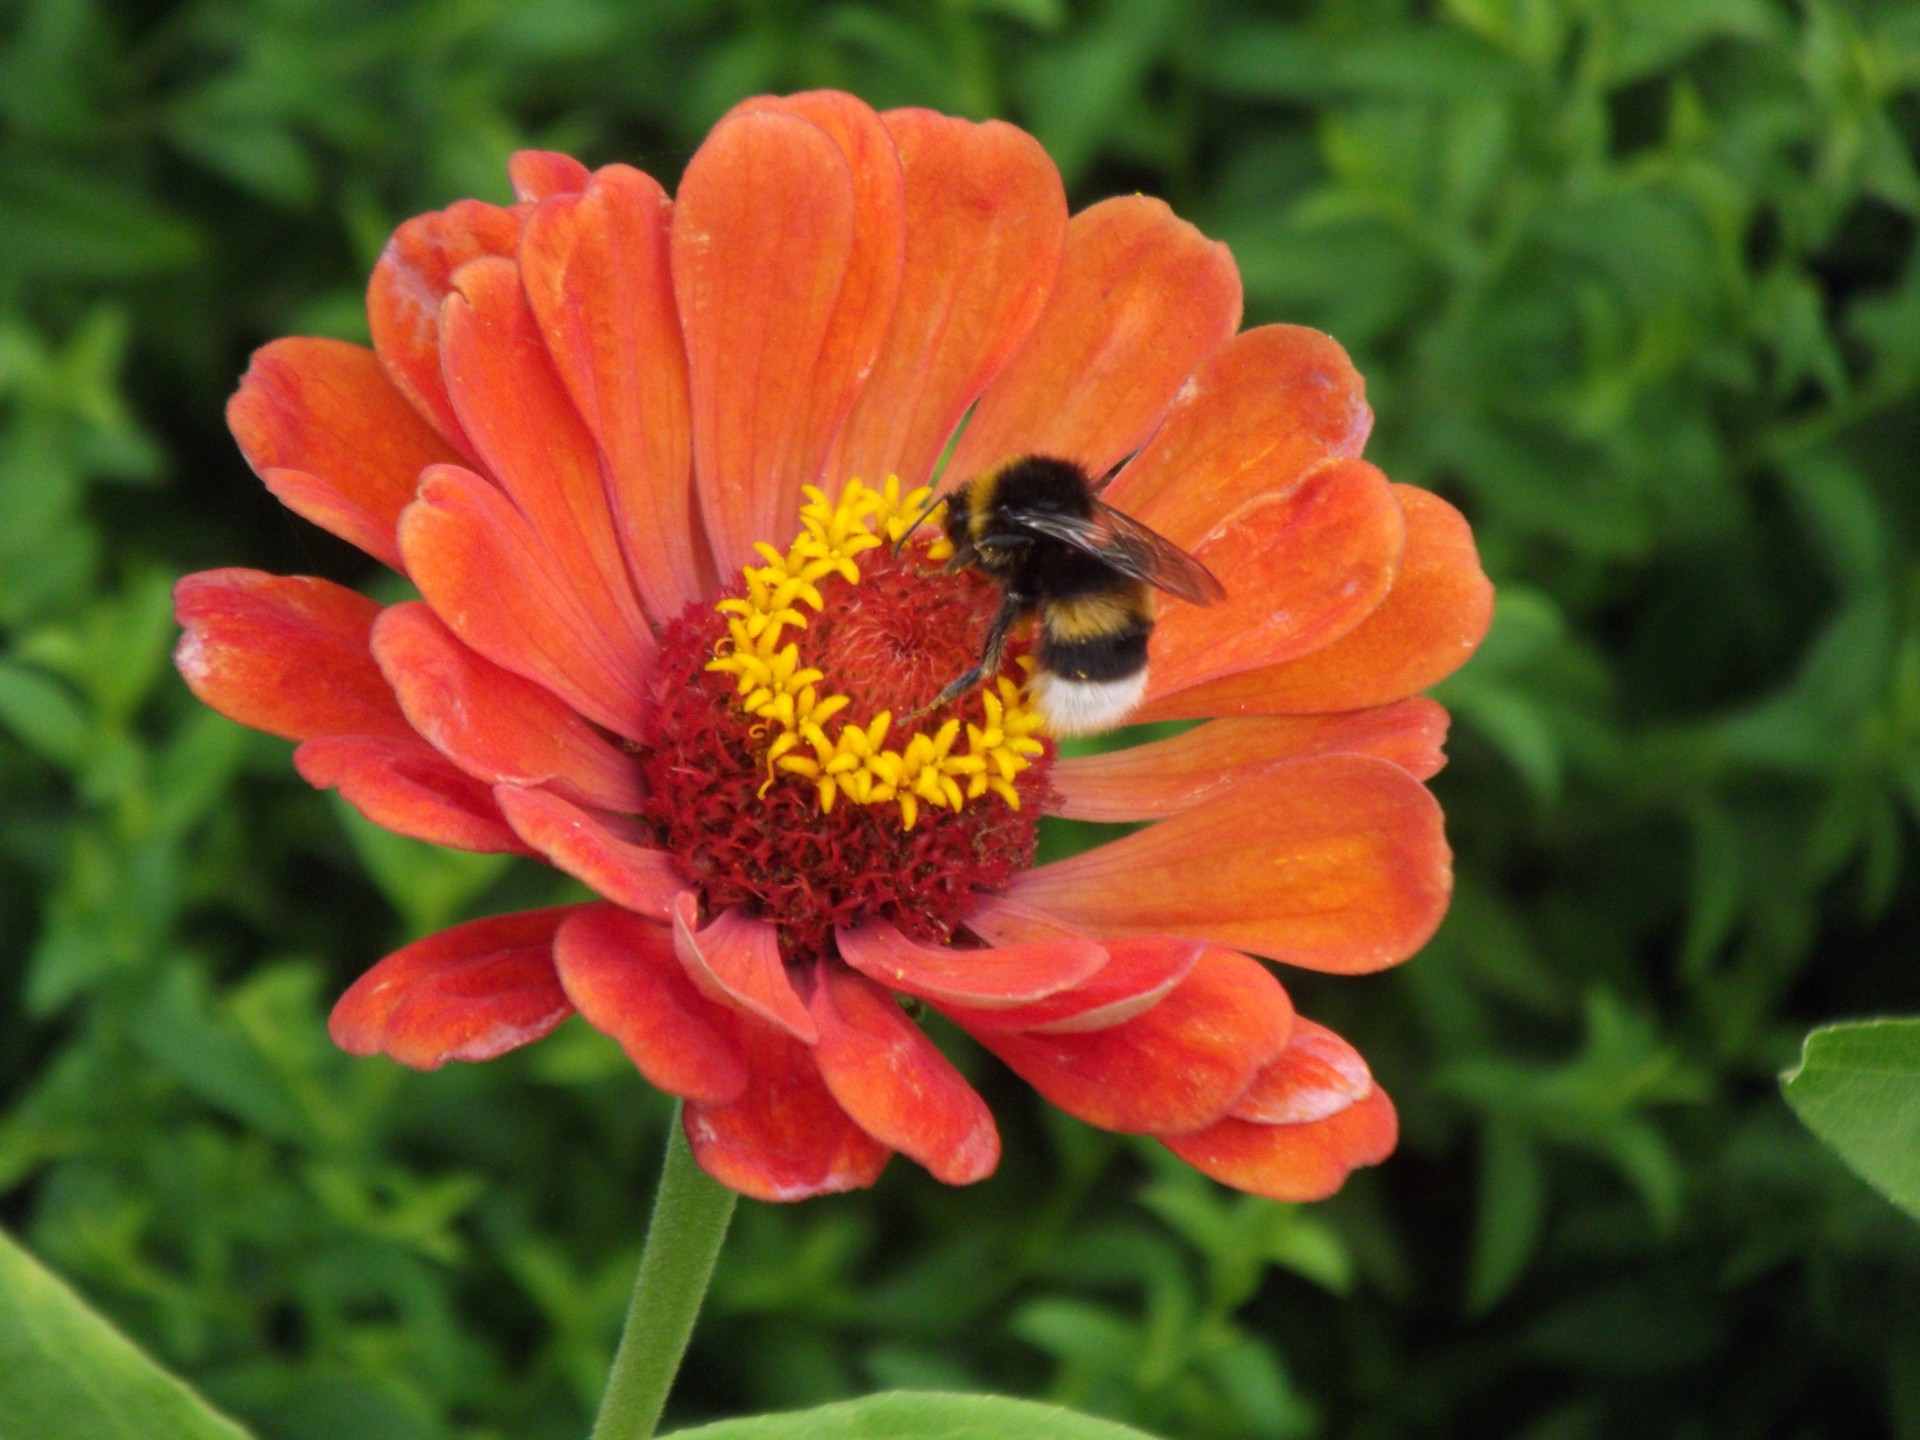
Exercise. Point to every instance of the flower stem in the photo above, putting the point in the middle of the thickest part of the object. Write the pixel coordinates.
(689, 1222)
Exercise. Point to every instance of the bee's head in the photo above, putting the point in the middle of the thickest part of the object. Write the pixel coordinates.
(959, 519)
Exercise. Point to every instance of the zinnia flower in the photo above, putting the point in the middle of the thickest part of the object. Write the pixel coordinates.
(645, 460)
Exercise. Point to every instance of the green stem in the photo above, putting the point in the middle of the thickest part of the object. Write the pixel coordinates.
(689, 1222)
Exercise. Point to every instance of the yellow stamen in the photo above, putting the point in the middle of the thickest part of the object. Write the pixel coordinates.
(854, 763)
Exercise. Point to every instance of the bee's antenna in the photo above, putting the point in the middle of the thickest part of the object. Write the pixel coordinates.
(925, 510)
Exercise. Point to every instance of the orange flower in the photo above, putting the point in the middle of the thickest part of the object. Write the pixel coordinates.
(645, 460)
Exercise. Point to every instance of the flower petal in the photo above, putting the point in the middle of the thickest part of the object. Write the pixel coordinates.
(538, 174)
(1141, 299)
(283, 653)
(736, 961)
(410, 788)
(1317, 1075)
(1259, 415)
(412, 277)
(595, 266)
(786, 1138)
(1301, 570)
(1336, 863)
(767, 236)
(469, 993)
(1166, 777)
(1294, 1162)
(633, 876)
(493, 724)
(896, 1084)
(621, 972)
(519, 417)
(1174, 1069)
(488, 576)
(323, 426)
(986, 221)
(1140, 972)
(990, 979)
(1431, 622)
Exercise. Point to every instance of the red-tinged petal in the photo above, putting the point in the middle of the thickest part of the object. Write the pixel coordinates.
(596, 270)
(1166, 777)
(1141, 299)
(1000, 921)
(986, 221)
(1336, 863)
(1301, 570)
(488, 576)
(1429, 625)
(519, 417)
(598, 851)
(989, 979)
(1174, 1069)
(469, 993)
(493, 724)
(323, 426)
(283, 653)
(786, 1138)
(1294, 1162)
(896, 1084)
(736, 961)
(538, 174)
(1317, 1075)
(621, 972)
(1259, 415)
(764, 241)
(410, 788)
(1140, 972)
(413, 276)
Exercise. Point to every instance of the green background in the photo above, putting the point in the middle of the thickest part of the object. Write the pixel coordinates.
(1635, 282)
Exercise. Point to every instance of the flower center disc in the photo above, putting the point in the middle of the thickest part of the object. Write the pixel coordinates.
(788, 770)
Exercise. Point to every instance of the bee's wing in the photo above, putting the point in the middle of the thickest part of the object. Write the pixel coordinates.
(1132, 549)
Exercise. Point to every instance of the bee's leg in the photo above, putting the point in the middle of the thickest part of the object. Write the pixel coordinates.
(990, 655)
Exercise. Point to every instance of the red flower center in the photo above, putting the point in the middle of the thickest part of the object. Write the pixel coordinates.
(871, 811)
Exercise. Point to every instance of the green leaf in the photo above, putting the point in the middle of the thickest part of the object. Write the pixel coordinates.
(1858, 1088)
(64, 1371)
(910, 1416)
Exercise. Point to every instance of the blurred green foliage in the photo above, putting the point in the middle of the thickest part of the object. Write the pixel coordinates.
(1635, 281)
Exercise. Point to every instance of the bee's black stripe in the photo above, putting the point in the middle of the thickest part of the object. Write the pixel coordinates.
(1112, 656)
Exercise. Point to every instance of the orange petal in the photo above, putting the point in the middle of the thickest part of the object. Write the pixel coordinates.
(1174, 1069)
(1141, 299)
(410, 788)
(1294, 1162)
(488, 576)
(786, 1138)
(633, 876)
(1336, 863)
(621, 972)
(413, 275)
(537, 174)
(1140, 972)
(1000, 921)
(469, 993)
(494, 725)
(1166, 777)
(283, 653)
(1301, 570)
(766, 236)
(1259, 415)
(519, 417)
(736, 961)
(990, 979)
(595, 266)
(986, 220)
(323, 426)
(1431, 622)
(1317, 1075)
(896, 1084)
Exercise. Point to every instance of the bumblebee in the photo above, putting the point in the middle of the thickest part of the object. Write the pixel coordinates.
(1035, 527)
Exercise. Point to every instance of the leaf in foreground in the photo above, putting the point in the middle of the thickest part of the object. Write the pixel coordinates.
(1858, 1088)
(911, 1416)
